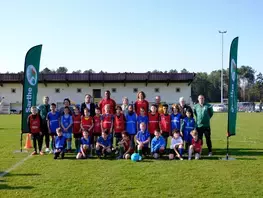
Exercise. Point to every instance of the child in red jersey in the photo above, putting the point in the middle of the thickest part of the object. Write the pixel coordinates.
(119, 124)
(107, 121)
(87, 122)
(77, 131)
(97, 125)
(165, 123)
(196, 146)
(125, 147)
(34, 126)
(153, 117)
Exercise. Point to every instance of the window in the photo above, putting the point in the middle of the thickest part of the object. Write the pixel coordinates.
(156, 90)
(135, 90)
(79, 90)
(13, 90)
(178, 90)
(57, 90)
(113, 90)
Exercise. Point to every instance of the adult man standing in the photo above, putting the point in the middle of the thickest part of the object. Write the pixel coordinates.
(183, 107)
(89, 105)
(159, 104)
(43, 111)
(107, 100)
(204, 112)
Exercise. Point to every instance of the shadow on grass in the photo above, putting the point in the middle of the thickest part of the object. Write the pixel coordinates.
(239, 152)
(20, 174)
(7, 187)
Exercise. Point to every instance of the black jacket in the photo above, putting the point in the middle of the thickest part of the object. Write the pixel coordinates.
(92, 108)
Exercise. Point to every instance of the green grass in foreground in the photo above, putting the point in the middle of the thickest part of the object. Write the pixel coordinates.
(41, 176)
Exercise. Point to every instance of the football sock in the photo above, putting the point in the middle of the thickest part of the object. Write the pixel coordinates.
(140, 152)
(181, 151)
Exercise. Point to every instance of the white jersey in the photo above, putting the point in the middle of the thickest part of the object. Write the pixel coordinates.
(176, 142)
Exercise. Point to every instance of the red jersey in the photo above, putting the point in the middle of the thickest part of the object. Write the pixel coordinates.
(119, 123)
(141, 104)
(127, 145)
(34, 123)
(112, 104)
(97, 126)
(106, 121)
(76, 123)
(165, 123)
(197, 145)
(153, 122)
(87, 123)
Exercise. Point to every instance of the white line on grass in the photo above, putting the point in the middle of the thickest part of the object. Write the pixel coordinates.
(14, 166)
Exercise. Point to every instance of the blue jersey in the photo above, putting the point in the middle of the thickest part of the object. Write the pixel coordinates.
(156, 144)
(66, 121)
(85, 141)
(143, 136)
(176, 121)
(187, 126)
(60, 142)
(106, 142)
(53, 121)
(131, 126)
(144, 119)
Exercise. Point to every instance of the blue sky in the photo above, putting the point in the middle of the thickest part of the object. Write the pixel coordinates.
(131, 36)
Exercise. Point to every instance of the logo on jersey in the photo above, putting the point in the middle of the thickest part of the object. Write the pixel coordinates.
(31, 75)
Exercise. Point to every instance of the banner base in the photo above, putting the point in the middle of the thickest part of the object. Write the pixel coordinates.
(228, 158)
(19, 151)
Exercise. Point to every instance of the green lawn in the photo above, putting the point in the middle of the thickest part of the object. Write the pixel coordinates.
(42, 176)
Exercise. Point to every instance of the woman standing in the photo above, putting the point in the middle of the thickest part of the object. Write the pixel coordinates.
(141, 103)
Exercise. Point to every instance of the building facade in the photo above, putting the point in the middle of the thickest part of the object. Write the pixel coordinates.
(74, 86)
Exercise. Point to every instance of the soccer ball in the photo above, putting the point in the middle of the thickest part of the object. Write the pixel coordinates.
(136, 157)
(127, 156)
(156, 155)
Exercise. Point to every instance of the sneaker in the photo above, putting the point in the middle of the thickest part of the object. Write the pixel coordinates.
(181, 158)
(119, 157)
(210, 154)
(47, 150)
(90, 155)
(62, 155)
(189, 158)
(41, 153)
(197, 156)
(50, 152)
(34, 153)
(55, 157)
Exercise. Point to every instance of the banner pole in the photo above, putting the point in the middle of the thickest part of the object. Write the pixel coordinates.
(21, 141)
(227, 148)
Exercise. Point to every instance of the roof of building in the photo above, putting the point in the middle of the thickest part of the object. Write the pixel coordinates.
(103, 77)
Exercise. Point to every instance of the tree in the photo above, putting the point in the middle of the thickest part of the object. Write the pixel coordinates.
(62, 70)
(173, 71)
(46, 71)
(156, 71)
(77, 72)
(184, 71)
(89, 71)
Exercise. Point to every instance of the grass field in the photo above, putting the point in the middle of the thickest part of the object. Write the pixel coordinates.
(41, 176)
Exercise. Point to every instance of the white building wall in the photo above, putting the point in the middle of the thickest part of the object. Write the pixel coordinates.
(167, 93)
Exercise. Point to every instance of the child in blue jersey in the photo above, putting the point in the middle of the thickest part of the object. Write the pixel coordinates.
(131, 126)
(176, 117)
(85, 146)
(143, 139)
(158, 144)
(103, 145)
(176, 146)
(59, 144)
(142, 118)
(66, 125)
(53, 122)
(188, 125)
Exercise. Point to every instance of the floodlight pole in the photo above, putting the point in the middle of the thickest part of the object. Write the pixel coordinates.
(222, 70)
